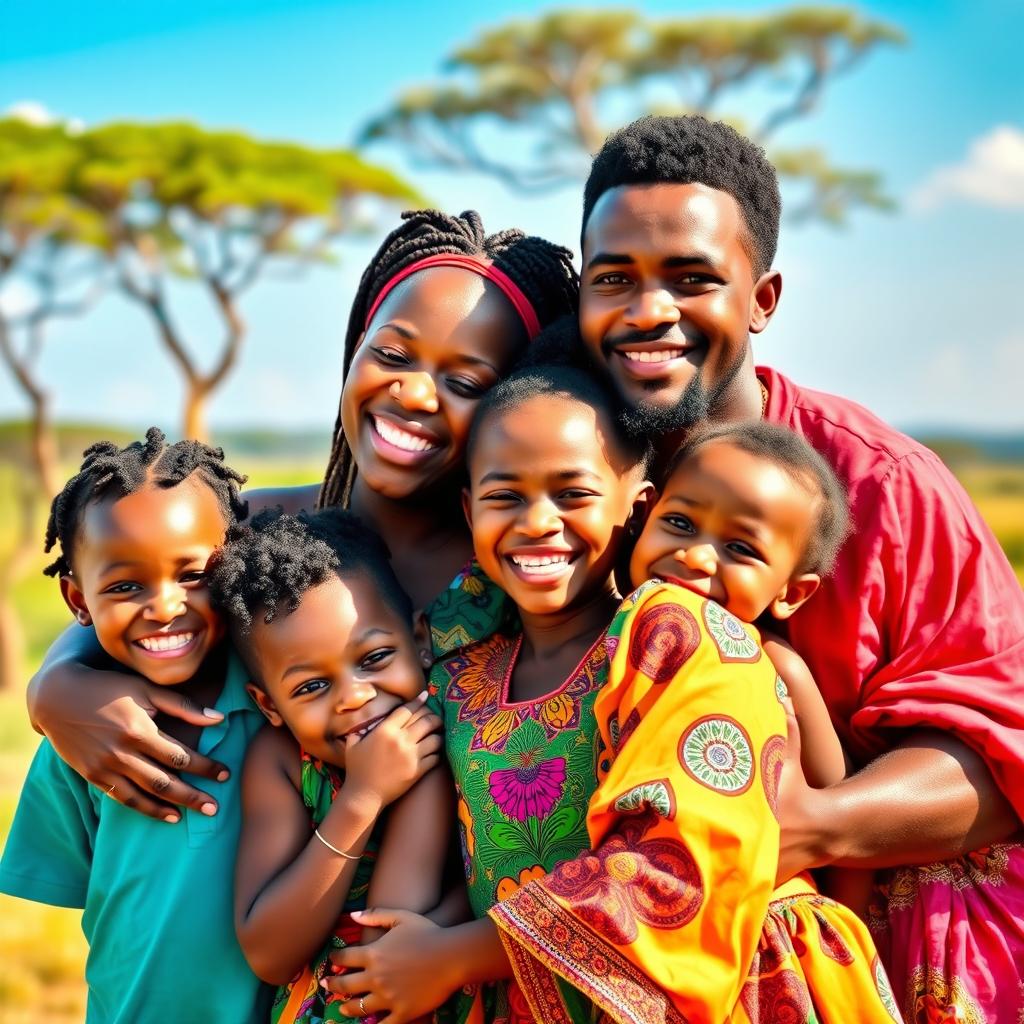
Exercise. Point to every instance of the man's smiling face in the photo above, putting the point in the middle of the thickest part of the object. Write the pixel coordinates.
(668, 299)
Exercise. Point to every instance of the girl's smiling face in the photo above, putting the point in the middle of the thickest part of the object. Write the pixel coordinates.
(337, 665)
(548, 502)
(438, 342)
(139, 577)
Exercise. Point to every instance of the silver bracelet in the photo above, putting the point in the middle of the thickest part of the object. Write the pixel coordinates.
(334, 849)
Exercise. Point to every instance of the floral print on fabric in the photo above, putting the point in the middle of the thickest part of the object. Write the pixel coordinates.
(715, 751)
(951, 936)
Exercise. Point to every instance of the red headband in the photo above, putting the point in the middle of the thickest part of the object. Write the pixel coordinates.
(481, 266)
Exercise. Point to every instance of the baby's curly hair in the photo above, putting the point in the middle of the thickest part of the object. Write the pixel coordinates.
(111, 472)
(690, 149)
(267, 564)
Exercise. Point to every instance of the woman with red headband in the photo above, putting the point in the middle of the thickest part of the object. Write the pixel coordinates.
(442, 312)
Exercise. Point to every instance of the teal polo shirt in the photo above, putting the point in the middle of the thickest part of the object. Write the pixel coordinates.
(157, 898)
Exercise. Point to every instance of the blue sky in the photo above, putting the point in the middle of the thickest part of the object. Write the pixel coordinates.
(915, 315)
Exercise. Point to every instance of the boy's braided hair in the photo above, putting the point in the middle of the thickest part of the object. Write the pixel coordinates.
(690, 149)
(268, 563)
(543, 271)
(111, 472)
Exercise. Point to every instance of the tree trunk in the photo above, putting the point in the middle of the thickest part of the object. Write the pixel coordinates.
(197, 395)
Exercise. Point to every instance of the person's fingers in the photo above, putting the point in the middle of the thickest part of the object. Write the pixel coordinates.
(430, 744)
(423, 724)
(353, 959)
(181, 706)
(124, 791)
(365, 1006)
(380, 917)
(168, 751)
(152, 780)
(426, 764)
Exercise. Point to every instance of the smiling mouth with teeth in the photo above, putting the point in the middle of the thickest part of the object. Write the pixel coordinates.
(660, 356)
(540, 565)
(403, 439)
(165, 644)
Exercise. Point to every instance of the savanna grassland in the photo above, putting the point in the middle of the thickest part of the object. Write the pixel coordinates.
(42, 951)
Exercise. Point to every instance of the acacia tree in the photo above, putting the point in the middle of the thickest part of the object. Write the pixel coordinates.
(215, 208)
(48, 268)
(560, 82)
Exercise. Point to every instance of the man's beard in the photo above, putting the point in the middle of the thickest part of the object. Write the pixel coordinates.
(653, 420)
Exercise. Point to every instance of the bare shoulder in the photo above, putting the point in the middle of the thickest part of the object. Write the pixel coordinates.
(291, 499)
(786, 660)
(272, 754)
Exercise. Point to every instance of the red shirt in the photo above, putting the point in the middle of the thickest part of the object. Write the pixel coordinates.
(922, 621)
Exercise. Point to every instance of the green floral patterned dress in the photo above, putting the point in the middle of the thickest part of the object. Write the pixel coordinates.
(524, 771)
(302, 1001)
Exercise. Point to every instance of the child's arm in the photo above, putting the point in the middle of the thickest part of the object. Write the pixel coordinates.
(290, 886)
(821, 754)
(100, 719)
(823, 761)
(410, 868)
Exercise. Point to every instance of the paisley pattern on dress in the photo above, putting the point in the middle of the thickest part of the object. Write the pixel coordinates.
(773, 756)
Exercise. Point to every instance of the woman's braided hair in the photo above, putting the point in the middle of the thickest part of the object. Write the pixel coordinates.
(543, 271)
(109, 471)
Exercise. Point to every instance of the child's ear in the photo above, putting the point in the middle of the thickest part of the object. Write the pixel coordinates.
(265, 704)
(75, 600)
(795, 593)
(643, 501)
(764, 300)
(467, 506)
(421, 634)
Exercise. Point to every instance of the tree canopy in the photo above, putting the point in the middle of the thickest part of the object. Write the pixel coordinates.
(562, 81)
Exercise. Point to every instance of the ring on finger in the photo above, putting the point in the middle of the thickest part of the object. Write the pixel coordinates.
(362, 1007)
(110, 792)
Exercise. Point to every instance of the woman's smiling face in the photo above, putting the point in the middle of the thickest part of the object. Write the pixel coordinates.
(435, 345)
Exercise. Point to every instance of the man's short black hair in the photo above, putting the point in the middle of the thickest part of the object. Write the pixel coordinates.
(563, 377)
(690, 149)
(268, 563)
(807, 467)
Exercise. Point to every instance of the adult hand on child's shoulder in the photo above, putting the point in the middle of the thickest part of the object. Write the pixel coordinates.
(396, 754)
(103, 726)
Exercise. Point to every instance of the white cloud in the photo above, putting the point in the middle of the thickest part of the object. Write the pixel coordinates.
(40, 115)
(992, 174)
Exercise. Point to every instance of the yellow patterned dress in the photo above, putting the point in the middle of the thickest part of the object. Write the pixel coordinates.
(668, 911)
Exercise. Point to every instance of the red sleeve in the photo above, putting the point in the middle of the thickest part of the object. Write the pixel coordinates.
(953, 638)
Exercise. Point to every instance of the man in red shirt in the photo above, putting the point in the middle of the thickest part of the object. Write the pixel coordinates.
(917, 640)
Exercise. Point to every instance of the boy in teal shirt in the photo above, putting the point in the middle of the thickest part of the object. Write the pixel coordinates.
(136, 528)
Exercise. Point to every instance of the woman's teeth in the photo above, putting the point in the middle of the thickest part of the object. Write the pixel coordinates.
(400, 438)
(166, 643)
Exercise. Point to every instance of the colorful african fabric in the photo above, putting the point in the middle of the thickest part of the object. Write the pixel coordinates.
(472, 608)
(302, 1000)
(921, 625)
(670, 913)
(954, 931)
